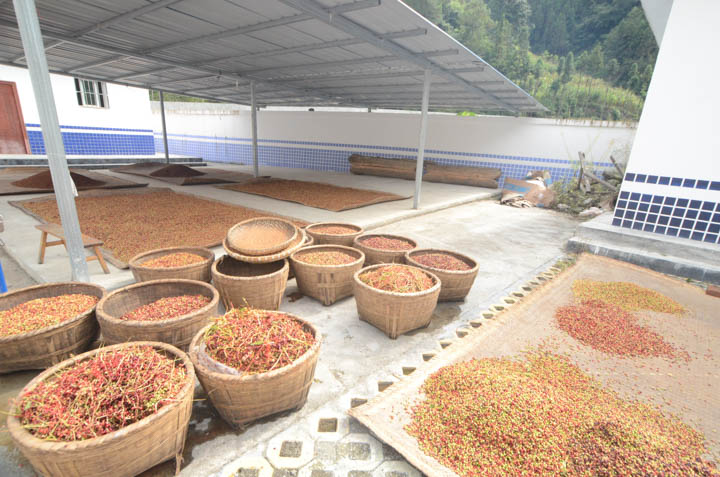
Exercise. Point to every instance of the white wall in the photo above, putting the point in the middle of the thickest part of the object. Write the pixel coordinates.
(129, 107)
(679, 130)
(497, 135)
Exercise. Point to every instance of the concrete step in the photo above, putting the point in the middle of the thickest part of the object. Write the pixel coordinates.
(7, 160)
(601, 230)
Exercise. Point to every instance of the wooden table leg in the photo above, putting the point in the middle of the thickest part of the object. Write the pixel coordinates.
(100, 258)
(43, 245)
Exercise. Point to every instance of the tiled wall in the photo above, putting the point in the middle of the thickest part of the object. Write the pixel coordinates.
(334, 156)
(674, 212)
(88, 140)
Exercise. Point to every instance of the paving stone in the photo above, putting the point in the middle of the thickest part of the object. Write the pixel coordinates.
(247, 466)
(389, 453)
(394, 473)
(356, 427)
(328, 424)
(355, 402)
(359, 473)
(325, 450)
(397, 468)
(321, 473)
(247, 473)
(291, 449)
(285, 473)
(355, 450)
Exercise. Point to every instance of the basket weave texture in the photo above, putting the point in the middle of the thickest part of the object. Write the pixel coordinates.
(395, 313)
(455, 284)
(195, 271)
(240, 284)
(48, 346)
(309, 242)
(243, 399)
(277, 234)
(125, 452)
(375, 256)
(285, 253)
(176, 331)
(326, 283)
(333, 239)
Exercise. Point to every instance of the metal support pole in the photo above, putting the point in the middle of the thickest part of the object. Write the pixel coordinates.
(253, 120)
(162, 115)
(423, 134)
(32, 41)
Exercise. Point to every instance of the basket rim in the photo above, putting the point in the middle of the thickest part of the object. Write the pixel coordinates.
(207, 254)
(18, 433)
(344, 224)
(310, 248)
(214, 271)
(274, 257)
(50, 329)
(308, 355)
(429, 291)
(358, 241)
(266, 250)
(466, 258)
(103, 316)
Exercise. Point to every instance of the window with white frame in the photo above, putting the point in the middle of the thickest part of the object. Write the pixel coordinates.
(91, 93)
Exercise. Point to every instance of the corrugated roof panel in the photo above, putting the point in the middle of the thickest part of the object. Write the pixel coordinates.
(319, 52)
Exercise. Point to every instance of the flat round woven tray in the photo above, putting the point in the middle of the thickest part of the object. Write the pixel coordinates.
(261, 236)
(294, 245)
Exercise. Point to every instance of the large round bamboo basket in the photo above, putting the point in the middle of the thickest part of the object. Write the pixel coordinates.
(285, 253)
(375, 256)
(260, 285)
(455, 284)
(243, 237)
(309, 242)
(176, 331)
(333, 239)
(48, 346)
(326, 283)
(125, 452)
(196, 271)
(243, 399)
(395, 313)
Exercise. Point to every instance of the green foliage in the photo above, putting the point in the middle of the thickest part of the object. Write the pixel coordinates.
(180, 98)
(580, 58)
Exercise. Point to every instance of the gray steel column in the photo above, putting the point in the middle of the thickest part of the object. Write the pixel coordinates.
(421, 146)
(253, 120)
(162, 115)
(32, 41)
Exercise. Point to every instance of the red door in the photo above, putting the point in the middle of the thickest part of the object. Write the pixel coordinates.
(13, 137)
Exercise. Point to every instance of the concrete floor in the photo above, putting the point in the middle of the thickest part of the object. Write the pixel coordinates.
(23, 239)
(511, 245)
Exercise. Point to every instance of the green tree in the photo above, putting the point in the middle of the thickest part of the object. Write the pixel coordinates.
(569, 70)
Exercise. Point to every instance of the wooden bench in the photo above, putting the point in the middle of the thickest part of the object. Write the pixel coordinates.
(57, 231)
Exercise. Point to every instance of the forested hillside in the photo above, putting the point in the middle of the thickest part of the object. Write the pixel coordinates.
(580, 58)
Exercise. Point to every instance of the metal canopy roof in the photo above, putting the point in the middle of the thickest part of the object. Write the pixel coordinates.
(369, 53)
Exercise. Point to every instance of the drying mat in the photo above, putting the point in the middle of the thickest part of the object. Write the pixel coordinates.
(203, 175)
(138, 220)
(689, 390)
(314, 194)
(285, 253)
(84, 179)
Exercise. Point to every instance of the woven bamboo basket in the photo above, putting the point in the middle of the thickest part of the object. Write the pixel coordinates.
(243, 399)
(309, 242)
(260, 285)
(125, 452)
(48, 346)
(277, 234)
(176, 331)
(326, 283)
(455, 284)
(196, 271)
(395, 313)
(285, 253)
(375, 256)
(333, 239)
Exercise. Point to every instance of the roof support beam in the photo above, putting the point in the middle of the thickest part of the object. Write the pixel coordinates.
(32, 41)
(253, 127)
(132, 14)
(390, 74)
(419, 165)
(359, 31)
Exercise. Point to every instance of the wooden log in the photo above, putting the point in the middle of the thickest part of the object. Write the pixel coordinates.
(383, 167)
(464, 175)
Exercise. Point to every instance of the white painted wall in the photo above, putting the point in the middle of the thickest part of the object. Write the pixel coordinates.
(679, 130)
(501, 135)
(129, 107)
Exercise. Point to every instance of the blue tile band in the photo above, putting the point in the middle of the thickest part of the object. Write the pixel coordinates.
(82, 140)
(687, 183)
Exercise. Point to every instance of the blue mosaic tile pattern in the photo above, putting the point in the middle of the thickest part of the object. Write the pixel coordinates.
(334, 156)
(673, 181)
(100, 142)
(677, 217)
